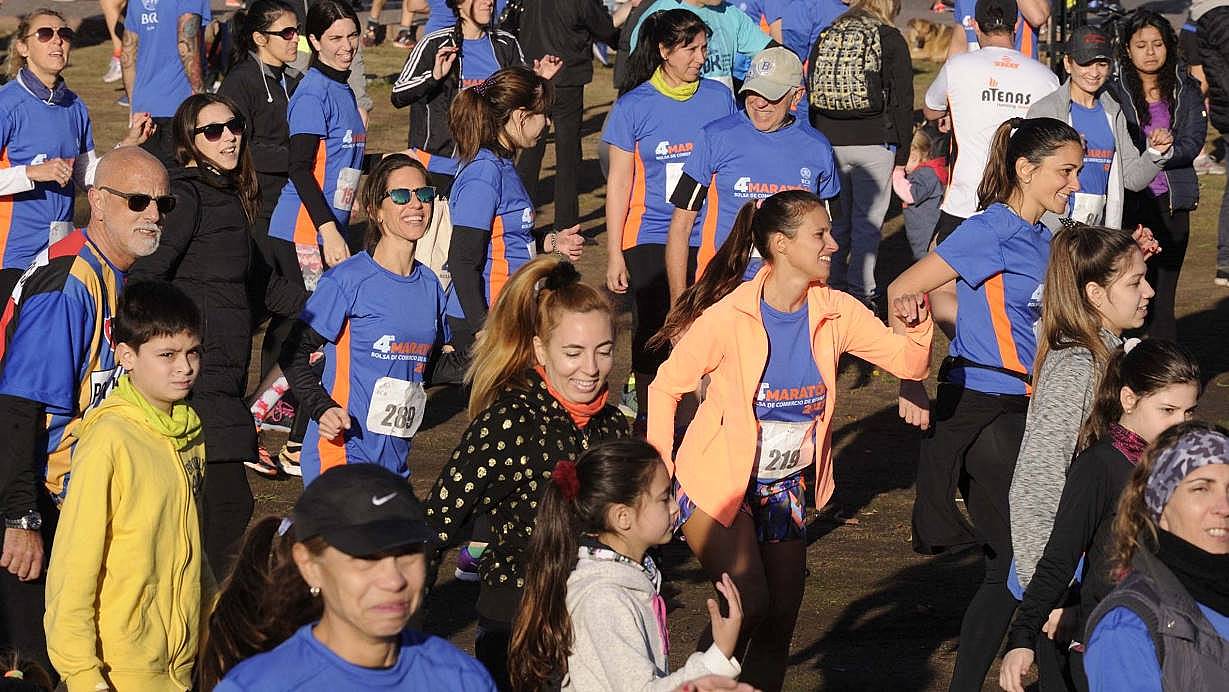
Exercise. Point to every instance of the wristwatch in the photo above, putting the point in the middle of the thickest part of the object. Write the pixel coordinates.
(30, 521)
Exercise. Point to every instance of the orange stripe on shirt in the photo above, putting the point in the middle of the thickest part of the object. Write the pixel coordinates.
(635, 211)
(996, 301)
(6, 207)
(304, 230)
(333, 452)
(499, 261)
(708, 232)
(1025, 30)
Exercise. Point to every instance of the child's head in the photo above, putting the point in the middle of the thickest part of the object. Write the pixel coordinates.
(156, 332)
(618, 492)
(1095, 280)
(19, 674)
(1148, 389)
(922, 148)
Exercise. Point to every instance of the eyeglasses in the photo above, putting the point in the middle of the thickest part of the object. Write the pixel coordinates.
(287, 34)
(213, 131)
(44, 34)
(401, 195)
(139, 201)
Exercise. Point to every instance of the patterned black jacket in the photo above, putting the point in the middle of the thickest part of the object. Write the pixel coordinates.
(498, 471)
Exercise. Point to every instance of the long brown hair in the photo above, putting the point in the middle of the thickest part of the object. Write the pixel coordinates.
(16, 61)
(1079, 254)
(1134, 527)
(1149, 367)
(261, 604)
(615, 472)
(1033, 140)
(478, 114)
(187, 152)
(531, 304)
(756, 222)
(668, 29)
(374, 188)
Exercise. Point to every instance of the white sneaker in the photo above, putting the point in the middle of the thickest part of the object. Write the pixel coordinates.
(114, 71)
(1204, 165)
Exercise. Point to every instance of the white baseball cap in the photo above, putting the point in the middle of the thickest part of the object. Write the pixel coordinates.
(773, 72)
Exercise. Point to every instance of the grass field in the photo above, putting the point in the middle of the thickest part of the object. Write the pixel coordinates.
(876, 616)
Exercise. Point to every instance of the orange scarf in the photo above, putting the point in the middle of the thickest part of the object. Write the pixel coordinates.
(580, 413)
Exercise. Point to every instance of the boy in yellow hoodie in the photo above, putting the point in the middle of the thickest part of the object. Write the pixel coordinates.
(124, 589)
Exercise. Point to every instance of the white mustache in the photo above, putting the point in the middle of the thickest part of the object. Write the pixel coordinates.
(147, 227)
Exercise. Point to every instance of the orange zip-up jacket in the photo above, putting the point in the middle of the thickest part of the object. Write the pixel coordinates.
(729, 344)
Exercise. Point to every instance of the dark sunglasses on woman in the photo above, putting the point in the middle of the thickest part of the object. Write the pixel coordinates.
(44, 34)
(287, 34)
(139, 201)
(213, 131)
(401, 195)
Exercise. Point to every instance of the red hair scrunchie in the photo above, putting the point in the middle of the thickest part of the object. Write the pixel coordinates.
(564, 477)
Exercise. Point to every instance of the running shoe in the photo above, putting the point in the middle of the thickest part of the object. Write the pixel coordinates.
(628, 405)
(467, 561)
(262, 464)
(279, 417)
(115, 71)
(1206, 165)
(1222, 278)
(123, 101)
(405, 39)
(375, 34)
(288, 459)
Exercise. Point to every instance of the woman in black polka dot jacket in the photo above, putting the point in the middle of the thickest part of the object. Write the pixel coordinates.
(539, 396)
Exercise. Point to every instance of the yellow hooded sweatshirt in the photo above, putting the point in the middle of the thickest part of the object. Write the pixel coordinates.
(125, 588)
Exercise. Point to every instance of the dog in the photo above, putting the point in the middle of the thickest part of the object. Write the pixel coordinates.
(929, 40)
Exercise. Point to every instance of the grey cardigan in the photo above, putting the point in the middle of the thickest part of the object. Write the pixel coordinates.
(1130, 169)
(1062, 399)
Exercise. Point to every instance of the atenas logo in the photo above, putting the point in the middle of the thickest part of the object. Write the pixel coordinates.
(993, 94)
(666, 150)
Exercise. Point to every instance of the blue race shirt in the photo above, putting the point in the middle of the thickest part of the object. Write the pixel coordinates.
(488, 195)
(31, 131)
(1026, 35)
(1001, 260)
(324, 107)
(733, 33)
(660, 133)
(379, 326)
(477, 61)
(802, 21)
(1099, 148)
(303, 664)
(1121, 656)
(741, 164)
(161, 83)
(791, 389)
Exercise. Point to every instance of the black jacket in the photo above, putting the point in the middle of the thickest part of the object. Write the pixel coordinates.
(205, 251)
(429, 99)
(1189, 127)
(567, 29)
(895, 124)
(499, 470)
(1213, 37)
(262, 94)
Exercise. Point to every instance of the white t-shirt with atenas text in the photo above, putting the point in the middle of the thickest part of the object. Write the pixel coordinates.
(982, 89)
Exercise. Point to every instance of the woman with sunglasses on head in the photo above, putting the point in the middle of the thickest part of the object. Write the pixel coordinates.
(205, 250)
(46, 143)
(379, 316)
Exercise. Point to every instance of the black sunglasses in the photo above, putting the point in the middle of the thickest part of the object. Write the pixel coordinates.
(287, 34)
(139, 201)
(45, 33)
(401, 195)
(213, 131)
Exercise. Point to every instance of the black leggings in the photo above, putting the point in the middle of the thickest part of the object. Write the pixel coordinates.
(646, 281)
(1172, 230)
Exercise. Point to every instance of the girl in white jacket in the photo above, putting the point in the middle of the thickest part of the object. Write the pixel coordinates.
(592, 617)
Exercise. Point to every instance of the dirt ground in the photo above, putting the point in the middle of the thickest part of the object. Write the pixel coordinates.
(876, 616)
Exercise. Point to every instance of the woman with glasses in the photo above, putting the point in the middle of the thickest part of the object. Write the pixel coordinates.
(379, 316)
(46, 143)
(204, 250)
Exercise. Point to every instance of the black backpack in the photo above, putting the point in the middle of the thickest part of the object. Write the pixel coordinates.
(846, 80)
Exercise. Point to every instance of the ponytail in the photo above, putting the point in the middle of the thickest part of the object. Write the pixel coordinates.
(669, 29)
(782, 213)
(258, 16)
(575, 503)
(530, 304)
(260, 605)
(1033, 140)
(1152, 365)
(478, 114)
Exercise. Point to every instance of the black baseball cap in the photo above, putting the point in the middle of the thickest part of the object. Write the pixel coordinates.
(361, 509)
(992, 15)
(1089, 44)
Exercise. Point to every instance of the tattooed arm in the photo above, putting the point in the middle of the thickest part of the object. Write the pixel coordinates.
(128, 59)
(189, 50)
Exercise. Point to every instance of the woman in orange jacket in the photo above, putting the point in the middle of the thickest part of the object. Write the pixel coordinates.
(769, 348)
